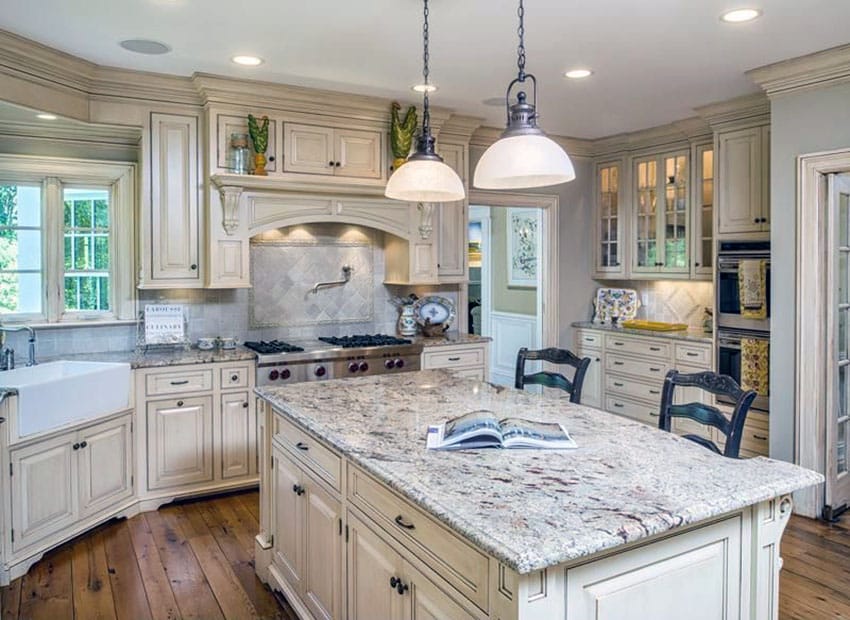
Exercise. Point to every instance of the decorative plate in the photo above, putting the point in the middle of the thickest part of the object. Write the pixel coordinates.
(615, 304)
(434, 310)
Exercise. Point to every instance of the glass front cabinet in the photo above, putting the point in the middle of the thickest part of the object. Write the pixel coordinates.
(703, 212)
(610, 261)
(661, 217)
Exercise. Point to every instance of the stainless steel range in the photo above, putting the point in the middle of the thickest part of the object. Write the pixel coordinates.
(281, 363)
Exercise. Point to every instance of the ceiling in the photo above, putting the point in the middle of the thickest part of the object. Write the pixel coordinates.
(653, 61)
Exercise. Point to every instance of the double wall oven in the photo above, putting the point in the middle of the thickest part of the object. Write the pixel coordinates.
(732, 327)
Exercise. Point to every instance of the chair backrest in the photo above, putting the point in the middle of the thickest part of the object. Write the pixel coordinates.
(719, 385)
(552, 379)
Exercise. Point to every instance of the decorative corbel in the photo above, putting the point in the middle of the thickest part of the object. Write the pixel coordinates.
(230, 196)
(426, 217)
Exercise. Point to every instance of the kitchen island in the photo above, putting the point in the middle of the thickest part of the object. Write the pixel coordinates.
(359, 520)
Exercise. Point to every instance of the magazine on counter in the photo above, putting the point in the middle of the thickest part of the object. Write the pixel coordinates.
(484, 429)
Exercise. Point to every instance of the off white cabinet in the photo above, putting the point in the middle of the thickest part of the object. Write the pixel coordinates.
(702, 217)
(171, 250)
(610, 246)
(743, 171)
(180, 441)
(329, 151)
(59, 482)
(452, 231)
(237, 434)
(591, 391)
(468, 360)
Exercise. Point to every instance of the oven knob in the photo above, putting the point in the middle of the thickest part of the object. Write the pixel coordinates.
(285, 374)
(399, 363)
(363, 366)
(389, 364)
(273, 375)
(353, 367)
(320, 371)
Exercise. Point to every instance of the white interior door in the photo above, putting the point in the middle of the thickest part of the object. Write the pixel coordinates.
(838, 402)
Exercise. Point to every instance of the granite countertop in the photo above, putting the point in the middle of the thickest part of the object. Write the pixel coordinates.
(529, 508)
(160, 358)
(689, 335)
(451, 339)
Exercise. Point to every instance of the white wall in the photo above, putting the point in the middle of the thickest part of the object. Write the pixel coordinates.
(801, 123)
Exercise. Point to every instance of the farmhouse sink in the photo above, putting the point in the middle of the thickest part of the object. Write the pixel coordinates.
(57, 393)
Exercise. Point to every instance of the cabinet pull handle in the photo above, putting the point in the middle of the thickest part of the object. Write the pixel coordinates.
(617, 344)
(184, 382)
(179, 403)
(589, 339)
(618, 384)
(298, 489)
(302, 446)
(653, 414)
(654, 348)
(618, 405)
(618, 363)
(651, 369)
(454, 359)
(692, 354)
(760, 437)
(654, 392)
(399, 520)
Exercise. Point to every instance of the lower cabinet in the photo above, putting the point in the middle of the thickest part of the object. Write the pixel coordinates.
(237, 435)
(179, 441)
(591, 390)
(467, 360)
(69, 478)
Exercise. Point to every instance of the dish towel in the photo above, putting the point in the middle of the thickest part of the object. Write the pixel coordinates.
(755, 356)
(752, 288)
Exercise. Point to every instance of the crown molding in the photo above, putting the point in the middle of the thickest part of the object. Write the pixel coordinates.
(69, 130)
(672, 135)
(753, 109)
(816, 70)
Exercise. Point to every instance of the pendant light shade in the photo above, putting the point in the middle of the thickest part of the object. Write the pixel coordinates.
(523, 157)
(423, 177)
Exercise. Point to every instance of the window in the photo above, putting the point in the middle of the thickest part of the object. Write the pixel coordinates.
(66, 240)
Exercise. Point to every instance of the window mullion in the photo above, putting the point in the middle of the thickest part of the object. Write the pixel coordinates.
(54, 248)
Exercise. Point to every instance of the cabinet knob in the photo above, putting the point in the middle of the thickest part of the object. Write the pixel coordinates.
(179, 403)
(337, 164)
(331, 164)
(76, 446)
(193, 267)
(696, 265)
(756, 220)
(83, 444)
(234, 378)
(244, 405)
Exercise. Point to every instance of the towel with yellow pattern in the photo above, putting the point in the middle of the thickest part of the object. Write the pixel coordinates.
(752, 288)
(755, 356)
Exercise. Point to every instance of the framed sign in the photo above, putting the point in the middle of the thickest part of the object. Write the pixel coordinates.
(523, 247)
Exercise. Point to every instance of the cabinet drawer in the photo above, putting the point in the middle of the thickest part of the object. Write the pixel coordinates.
(463, 566)
(323, 461)
(452, 358)
(586, 339)
(628, 387)
(644, 348)
(693, 354)
(174, 382)
(234, 377)
(656, 371)
(638, 411)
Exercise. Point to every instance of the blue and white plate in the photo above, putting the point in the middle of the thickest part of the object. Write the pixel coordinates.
(434, 310)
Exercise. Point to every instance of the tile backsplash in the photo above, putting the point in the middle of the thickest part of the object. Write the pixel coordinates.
(278, 306)
(671, 301)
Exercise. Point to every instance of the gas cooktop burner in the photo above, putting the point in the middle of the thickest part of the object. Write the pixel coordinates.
(273, 346)
(352, 342)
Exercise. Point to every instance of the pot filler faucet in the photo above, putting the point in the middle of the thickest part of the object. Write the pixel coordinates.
(7, 360)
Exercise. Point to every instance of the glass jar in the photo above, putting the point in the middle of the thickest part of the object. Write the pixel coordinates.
(240, 153)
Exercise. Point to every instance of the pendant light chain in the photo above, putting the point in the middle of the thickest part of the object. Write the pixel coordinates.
(426, 71)
(520, 61)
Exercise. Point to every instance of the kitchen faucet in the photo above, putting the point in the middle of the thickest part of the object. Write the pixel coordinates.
(8, 358)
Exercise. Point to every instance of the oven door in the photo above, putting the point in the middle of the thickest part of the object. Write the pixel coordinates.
(729, 298)
(729, 361)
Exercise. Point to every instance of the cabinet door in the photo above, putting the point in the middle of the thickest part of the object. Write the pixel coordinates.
(358, 154)
(174, 241)
(308, 149)
(179, 442)
(702, 213)
(427, 601)
(674, 240)
(647, 256)
(609, 221)
(287, 519)
(740, 185)
(105, 465)
(591, 391)
(452, 241)
(236, 435)
(322, 552)
(371, 565)
(44, 490)
(229, 124)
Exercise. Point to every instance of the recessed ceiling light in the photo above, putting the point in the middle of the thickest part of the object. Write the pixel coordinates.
(424, 88)
(145, 46)
(577, 74)
(46, 117)
(247, 61)
(736, 16)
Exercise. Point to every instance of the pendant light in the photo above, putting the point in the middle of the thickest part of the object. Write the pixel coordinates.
(524, 156)
(424, 177)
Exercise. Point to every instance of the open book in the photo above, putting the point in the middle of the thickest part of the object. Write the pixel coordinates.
(483, 429)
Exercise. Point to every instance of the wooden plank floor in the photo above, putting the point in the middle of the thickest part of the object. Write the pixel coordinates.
(195, 560)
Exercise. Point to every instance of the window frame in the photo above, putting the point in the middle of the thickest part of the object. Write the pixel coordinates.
(54, 174)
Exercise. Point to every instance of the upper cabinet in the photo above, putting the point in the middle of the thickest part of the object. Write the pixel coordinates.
(451, 229)
(661, 214)
(743, 176)
(610, 260)
(329, 151)
(702, 222)
(170, 211)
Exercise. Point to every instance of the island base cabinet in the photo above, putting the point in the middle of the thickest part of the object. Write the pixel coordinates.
(696, 575)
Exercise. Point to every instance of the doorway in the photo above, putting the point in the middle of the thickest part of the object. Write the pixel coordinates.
(510, 277)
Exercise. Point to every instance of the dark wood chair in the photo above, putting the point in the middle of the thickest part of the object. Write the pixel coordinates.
(719, 385)
(552, 379)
